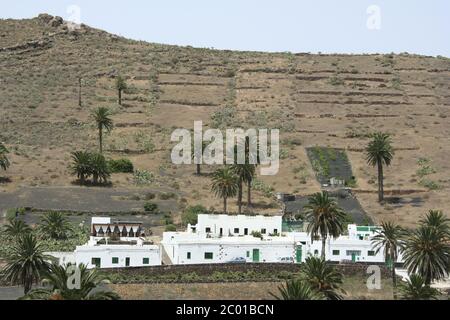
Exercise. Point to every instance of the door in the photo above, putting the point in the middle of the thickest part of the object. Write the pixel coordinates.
(255, 255)
(221, 231)
(353, 257)
(245, 231)
(298, 255)
(127, 262)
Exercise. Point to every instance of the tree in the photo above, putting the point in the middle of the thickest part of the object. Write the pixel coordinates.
(379, 152)
(26, 263)
(389, 239)
(435, 219)
(427, 253)
(4, 162)
(102, 118)
(323, 278)
(120, 86)
(297, 290)
(324, 218)
(57, 280)
(244, 173)
(55, 225)
(198, 155)
(81, 165)
(190, 215)
(99, 168)
(416, 289)
(16, 228)
(224, 184)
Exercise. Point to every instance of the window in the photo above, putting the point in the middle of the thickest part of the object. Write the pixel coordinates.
(353, 252)
(208, 230)
(96, 262)
(275, 231)
(189, 255)
(370, 253)
(263, 231)
(316, 252)
(115, 260)
(208, 255)
(336, 252)
(145, 260)
(236, 230)
(248, 254)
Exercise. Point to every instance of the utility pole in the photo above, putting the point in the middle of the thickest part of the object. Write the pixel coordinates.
(79, 91)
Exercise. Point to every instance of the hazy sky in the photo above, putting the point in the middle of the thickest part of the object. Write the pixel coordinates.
(342, 26)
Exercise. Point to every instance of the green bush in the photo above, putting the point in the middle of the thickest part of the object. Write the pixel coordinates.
(151, 207)
(167, 195)
(191, 213)
(120, 166)
(171, 227)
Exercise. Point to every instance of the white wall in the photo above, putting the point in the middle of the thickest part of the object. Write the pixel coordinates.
(228, 223)
(136, 254)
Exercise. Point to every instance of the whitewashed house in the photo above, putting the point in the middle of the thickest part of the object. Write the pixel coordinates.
(222, 239)
(113, 244)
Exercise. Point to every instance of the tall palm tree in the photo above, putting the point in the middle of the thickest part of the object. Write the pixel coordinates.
(102, 118)
(4, 162)
(244, 173)
(16, 228)
(224, 184)
(120, 86)
(26, 263)
(437, 220)
(427, 253)
(380, 152)
(81, 165)
(323, 278)
(57, 279)
(324, 218)
(416, 289)
(390, 240)
(297, 290)
(55, 225)
(199, 155)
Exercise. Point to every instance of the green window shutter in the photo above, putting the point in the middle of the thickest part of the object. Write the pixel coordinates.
(145, 260)
(336, 252)
(208, 255)
(115, 260)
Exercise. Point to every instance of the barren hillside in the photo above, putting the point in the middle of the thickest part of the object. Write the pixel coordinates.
(315, 100)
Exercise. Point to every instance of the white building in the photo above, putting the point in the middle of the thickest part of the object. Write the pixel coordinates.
(221, 239)
(113, 244)
(235, 225)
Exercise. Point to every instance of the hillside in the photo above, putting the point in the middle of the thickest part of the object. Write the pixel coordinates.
(316, 100)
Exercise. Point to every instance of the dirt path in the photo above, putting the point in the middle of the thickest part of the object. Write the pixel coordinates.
(81, 199)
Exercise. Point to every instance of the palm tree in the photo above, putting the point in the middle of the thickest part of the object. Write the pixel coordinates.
(55, 225)
(244, 173)
(297, 290)
(26, 263)
(16, 228)
(389, 238)
(436, 219)
(224, 185)
(99, 168)
(102, 118)
(57, 279)
(324, 218)
(4, 162)
(81, 165)
(379, 152)
(120, 86)
(199, 155)
(416, 289)
(323, 278)
(427, 253)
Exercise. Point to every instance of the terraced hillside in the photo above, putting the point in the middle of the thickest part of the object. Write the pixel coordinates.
(316, 100)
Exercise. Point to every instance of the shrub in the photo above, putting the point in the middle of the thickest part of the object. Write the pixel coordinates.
(167, 195)
(120, 166)
(171, 228)
(191, 213)
(151, 207)
(143, 177)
